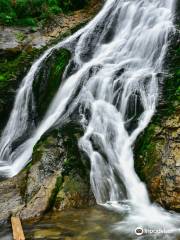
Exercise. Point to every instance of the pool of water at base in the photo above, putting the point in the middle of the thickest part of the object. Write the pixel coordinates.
(95, 223)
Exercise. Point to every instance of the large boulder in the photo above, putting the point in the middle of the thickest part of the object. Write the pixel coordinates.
(57, 178)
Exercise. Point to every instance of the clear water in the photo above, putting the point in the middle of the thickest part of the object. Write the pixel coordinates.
(94, 223)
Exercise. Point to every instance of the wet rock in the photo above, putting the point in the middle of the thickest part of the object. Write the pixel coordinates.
(11, 196)
(159, 164)
(56, 179)
(47, 161)
(75, 193)
(40, 201)
(48, 79)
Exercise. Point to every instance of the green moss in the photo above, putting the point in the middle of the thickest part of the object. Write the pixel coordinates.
(2, 78)
(145, 152)
(172, 82)
(11, 67)
(59, 182)
(75, 175)
(73, 184)
(74, 161)
(38, 151)
(20, 36)
(48, 80)
(145, 142)
(149, 144)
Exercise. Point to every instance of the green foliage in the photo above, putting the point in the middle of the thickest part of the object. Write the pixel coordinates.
(9, 67)
(27, 22)
(69, 5)
(30, 12)
(2, 77)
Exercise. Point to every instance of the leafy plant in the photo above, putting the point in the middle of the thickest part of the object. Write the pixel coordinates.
(30, 12)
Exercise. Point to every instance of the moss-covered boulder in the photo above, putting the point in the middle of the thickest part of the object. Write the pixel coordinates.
(57, 177)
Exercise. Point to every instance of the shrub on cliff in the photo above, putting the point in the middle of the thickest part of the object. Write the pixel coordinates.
(30, 12)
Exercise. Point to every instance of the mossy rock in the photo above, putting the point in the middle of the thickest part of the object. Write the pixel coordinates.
(48, 79)
(74, 193)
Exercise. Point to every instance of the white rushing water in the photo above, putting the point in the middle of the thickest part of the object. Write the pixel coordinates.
(116, 61)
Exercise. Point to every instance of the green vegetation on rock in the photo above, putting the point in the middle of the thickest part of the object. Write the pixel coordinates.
(57, 154)
(146, 152)
(168, 106)
(48, 79)
(13, 65)
(55, 192)
(74, 159)
(32, 12)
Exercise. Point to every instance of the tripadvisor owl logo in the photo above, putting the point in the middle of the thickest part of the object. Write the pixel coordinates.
(139, 231)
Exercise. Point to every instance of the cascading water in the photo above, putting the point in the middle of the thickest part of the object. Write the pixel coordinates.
(113, 80)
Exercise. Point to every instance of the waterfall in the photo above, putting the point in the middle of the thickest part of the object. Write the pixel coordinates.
(112, 78)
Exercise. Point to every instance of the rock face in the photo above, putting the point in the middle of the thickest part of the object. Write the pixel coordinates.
(57, 178)
(48, 79)
(74, 193)
(158, 162)
(11, 199)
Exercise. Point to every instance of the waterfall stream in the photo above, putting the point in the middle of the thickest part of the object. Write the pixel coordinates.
(112, 77)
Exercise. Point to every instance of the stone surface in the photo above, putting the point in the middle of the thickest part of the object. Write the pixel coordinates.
(39, 203)
(47, 159)
(11, 196)
(55, 179)
(159, 163)
(75, 193)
